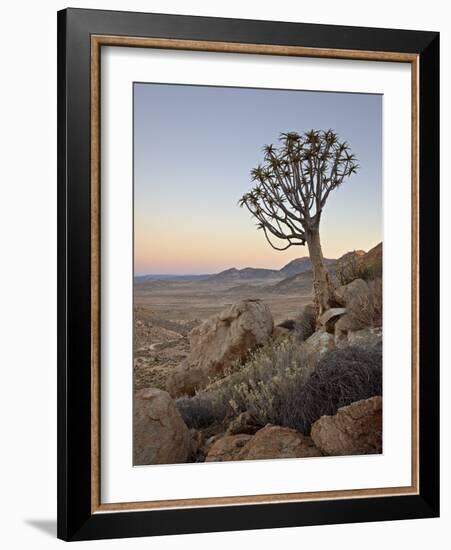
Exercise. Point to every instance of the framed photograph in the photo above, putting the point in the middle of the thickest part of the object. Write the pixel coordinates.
(248, 274)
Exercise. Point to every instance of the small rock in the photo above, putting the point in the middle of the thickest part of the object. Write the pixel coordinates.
(227, 447)
(244, 423)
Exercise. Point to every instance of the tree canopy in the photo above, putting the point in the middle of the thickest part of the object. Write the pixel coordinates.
(294, 181)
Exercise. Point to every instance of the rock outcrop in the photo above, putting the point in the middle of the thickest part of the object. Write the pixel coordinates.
(354, 430)
(159, 434)
(220, 341)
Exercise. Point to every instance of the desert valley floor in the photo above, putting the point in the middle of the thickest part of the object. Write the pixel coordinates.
(166, 310)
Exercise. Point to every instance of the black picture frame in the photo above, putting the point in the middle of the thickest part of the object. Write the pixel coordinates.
(76, 521)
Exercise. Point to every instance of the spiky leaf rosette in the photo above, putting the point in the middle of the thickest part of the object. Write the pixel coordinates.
(293, 182)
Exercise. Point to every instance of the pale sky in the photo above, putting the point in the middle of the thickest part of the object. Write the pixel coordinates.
(194, 147)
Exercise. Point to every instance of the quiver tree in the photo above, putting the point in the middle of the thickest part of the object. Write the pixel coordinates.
(291, 188)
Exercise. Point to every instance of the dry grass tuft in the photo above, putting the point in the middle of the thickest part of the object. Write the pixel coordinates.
(201, 411)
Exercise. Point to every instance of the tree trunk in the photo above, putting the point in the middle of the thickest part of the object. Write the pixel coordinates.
(321, 282)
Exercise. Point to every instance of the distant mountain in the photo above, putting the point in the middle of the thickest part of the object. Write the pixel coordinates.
(169, 277)
(296, 274)
(248, 273)
(300, 265)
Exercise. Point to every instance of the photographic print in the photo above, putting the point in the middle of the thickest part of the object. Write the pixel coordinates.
(248, 266)
(257, 274)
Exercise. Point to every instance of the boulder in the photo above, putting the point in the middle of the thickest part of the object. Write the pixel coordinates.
(354, 430)
(159, 434)
(219, 342)
(319, 343)
(345, 294)
(227, 447)
(330, 317)
(278, 442)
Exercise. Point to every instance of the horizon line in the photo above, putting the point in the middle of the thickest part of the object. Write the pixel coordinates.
(204, 273)
(198, 274)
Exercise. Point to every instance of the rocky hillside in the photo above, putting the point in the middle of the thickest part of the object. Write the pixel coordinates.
(373, 260)
(234, 275)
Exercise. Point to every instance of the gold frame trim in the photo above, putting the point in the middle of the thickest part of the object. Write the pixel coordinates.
(97, 41)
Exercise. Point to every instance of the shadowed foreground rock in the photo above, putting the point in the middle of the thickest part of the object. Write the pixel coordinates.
(268, 443)
(220, 341)
(159, 434)
(354, 430)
